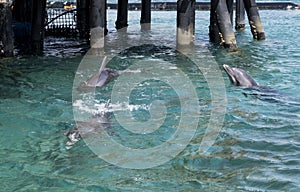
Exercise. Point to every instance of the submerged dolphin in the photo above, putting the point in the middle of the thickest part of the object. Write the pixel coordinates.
(239, 77)
(102, 77)
(89, 127)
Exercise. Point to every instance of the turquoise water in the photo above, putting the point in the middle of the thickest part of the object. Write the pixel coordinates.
(257, 148)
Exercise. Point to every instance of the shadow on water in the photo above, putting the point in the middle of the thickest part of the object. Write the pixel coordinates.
(271, 95)
(11, 81)
(69, 48)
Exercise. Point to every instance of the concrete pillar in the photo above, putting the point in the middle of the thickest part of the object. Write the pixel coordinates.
(146, 15)
(185, 22)
(98, 27)
(122, 17)
(254, 20)
(240, 15)
(6, 32)
(37, 30)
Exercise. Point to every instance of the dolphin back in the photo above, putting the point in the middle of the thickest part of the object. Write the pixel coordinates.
(102, 78)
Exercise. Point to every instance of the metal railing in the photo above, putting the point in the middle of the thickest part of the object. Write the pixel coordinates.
(61, 22)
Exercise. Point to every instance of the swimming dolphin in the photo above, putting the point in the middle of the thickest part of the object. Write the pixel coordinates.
(89, 127)
(239, 77)
(102, 77)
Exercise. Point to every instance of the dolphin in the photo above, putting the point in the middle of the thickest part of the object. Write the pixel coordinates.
(240, 77)
(88, 128)
(92, 126)
(102, 77)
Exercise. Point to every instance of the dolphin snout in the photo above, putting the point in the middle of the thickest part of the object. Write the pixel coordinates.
(227, 68)
(230, 73)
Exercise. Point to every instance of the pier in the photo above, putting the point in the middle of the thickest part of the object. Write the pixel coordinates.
(204, 6)
(31, 21)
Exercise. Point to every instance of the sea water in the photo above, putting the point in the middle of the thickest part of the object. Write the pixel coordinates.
(257, 148)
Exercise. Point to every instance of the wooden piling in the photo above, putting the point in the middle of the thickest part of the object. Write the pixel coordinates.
(229, 4)
(185, 22)
(22, 11)
(214, 31)
(38, 21)
(22, 17)
(6, 32)
(98, 27)
(146, 15)
(82, 21)
(122, 15)
(225, 25)
(240, 15)
(254, 20)
(221, 24)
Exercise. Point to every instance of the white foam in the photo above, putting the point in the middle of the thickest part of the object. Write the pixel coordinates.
(99, 108)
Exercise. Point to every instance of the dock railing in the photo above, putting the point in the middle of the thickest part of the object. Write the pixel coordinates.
(61, 22)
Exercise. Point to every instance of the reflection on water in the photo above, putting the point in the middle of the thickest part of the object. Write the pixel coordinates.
(257, 149)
